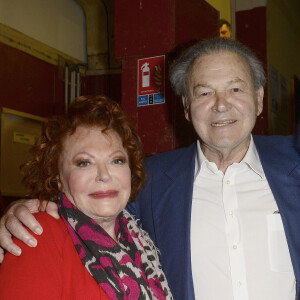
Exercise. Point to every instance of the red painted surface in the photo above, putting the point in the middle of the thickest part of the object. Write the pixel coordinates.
(195, 19)
(149, 28)
(143, 27)
(29, 84)
(147, 68)
(109, 85)
(154, 123)
(251, 29)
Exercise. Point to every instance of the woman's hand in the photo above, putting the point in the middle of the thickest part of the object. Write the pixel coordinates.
(20, 214)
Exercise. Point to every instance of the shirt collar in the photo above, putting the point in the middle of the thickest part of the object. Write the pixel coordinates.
(251, 159)
(198, 159)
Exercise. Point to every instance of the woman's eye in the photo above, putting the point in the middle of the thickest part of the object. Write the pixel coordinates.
(119, 161)
(83, 163)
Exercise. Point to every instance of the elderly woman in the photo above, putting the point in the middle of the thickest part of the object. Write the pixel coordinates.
(90, 162)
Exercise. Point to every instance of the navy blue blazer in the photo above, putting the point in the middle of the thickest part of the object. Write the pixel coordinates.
(164, 205)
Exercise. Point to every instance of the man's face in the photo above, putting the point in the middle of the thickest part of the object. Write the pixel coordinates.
(225, 32)
(223, 102)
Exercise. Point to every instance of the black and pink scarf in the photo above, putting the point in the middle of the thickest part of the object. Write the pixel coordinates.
(127, 269)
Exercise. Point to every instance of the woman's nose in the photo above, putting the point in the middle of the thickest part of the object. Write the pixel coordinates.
(103, 174)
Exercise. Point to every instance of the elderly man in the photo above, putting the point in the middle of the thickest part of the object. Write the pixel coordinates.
(224, 212)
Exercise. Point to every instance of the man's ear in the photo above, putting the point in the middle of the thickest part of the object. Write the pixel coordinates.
(185, 103)
(260, 100)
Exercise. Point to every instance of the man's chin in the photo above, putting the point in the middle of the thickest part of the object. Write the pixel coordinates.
(227, 143)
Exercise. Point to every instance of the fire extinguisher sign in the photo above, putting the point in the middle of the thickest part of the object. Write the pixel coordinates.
(151, 80)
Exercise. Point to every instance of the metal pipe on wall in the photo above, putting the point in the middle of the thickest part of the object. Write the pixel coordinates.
(66, 87)
(78, 85)
(72, 87)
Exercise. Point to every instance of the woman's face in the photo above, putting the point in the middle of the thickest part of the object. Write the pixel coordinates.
(94, 173)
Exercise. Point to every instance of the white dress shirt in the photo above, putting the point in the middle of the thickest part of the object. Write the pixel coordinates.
(238, 245)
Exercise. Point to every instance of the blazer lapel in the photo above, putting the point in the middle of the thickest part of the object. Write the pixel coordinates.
(171, 200)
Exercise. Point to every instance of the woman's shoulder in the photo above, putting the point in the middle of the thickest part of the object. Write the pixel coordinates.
(49, 221)
(54, 235)
(54, 230)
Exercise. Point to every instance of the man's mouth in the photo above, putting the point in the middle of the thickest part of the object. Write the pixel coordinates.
(222, 123)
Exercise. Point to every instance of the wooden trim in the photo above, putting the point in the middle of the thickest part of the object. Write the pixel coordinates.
(5, 110)
(22, 42)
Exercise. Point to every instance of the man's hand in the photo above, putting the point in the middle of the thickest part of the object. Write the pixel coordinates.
(18, 215)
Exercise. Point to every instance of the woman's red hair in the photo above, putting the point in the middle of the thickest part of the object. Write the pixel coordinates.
(41, 173)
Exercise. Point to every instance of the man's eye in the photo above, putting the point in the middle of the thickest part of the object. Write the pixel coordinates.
(205, 94)
(236, 90)
(83, 163)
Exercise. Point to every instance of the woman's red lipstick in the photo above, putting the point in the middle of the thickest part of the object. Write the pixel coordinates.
(104, 194)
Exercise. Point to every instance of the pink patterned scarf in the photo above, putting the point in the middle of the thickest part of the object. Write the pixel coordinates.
(127, 269)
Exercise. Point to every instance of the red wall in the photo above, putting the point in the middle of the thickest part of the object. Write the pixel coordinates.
(109, 85)
(29, 84)
(150, 28)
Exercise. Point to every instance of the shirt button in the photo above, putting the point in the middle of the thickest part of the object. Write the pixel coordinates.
(231, 213)
(227, 181)
(234, 247)
(239, 284)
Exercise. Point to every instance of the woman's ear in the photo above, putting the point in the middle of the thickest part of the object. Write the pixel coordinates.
(60, 187)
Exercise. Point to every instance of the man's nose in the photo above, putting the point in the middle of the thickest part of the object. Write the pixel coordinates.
(221, 102)
(103, 174)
